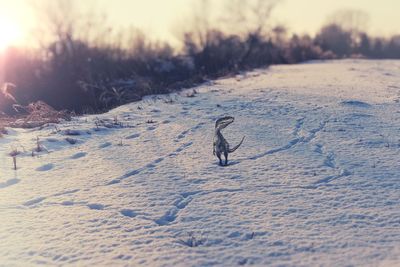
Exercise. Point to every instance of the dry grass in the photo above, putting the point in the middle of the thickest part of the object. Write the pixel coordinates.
(14, 153)
(192, 241)
(110, 123)
(34, 115)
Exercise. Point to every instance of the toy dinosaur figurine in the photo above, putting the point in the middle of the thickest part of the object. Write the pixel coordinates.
(221, 146)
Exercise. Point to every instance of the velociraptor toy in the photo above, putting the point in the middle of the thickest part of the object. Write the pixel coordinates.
(220, 144)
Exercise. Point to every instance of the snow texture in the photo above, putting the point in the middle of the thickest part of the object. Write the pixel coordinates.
(315, 183)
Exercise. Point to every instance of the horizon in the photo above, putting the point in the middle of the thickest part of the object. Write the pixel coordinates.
(20, 24)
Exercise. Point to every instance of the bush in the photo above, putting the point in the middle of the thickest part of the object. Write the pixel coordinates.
(95, 74)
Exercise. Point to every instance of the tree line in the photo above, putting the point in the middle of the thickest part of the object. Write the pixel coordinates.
(87, 68)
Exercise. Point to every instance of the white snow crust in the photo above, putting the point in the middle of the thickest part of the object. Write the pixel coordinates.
(315, 183)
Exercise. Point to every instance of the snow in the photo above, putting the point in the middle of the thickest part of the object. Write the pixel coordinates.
(316, 181)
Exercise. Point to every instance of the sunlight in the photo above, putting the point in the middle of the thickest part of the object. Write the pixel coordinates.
(10, 32)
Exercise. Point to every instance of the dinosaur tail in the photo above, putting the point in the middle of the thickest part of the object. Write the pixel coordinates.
(237, 146)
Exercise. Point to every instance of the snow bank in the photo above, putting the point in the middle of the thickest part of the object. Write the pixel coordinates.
(316, 181)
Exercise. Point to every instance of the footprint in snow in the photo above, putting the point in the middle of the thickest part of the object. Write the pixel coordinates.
(66, 192)
(172, 214)
(95, 206)
(181, 135)
(198, 126)
(67, 203)
(34, 201)
(318, 148)
(129, 213)
(158, 160)
(355, 103)
(132, 136)
(107, 144)
(197, 181)
(181, 148)
(9, 183)
(46, 167)
(79, 155)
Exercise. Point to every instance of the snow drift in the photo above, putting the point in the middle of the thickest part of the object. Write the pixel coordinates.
(316, 182)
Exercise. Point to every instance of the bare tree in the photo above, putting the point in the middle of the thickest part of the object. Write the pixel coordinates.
(332, 37)
(251, 20)
(248, 17)
(58, 20)
(352, 20)
(194, 30)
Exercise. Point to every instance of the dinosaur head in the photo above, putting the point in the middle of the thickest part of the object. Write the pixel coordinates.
(223, 122)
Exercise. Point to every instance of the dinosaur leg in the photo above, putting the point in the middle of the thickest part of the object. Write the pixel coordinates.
(219, 157)
(226, 158)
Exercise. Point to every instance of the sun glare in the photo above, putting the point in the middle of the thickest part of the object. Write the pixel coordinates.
(10, 32)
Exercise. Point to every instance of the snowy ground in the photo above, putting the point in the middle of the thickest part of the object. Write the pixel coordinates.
(316, 182)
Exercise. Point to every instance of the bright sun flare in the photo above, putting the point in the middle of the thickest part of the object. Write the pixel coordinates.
(10, 32)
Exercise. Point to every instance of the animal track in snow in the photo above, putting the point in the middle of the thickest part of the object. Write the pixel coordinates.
(199, 125)
(299, 124)
(158, 160)
(107, 144)
(95, 206)
(192, 129)
(297, 127)
(183, 201)
(67, 203)
(181, 135)
(355, 103)
(330, 160)
(136, 171)
(298, 139)
(129, 213)
(46, 167)
(171, 214)
(66, 192)
(79, 155)
(34, 201)
(318, 149)
(313, 133)
(180, 149)
(169, 217)
(326, 180)
(149, 165)
(9, 182)
(330, 157)
(291, 144)
(132, 136)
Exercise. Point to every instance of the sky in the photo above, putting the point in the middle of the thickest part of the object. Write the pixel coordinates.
(165, 19)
